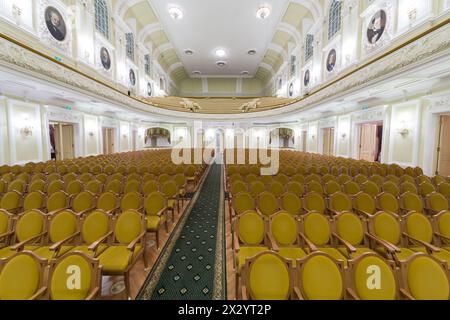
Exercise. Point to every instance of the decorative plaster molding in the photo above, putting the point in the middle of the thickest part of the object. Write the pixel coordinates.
(433, 45)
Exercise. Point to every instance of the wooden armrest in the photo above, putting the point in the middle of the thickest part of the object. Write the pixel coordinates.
(352, 294)
(311, 245)
(236, 241)
(20, 245)
(93, 293)
(6, 234)
(58, 244)
(442, 236)
(135, 241)
(112, 210)
(273, 243)
(244, 293)
(95, 244)
(57, 211)
(298, 293)
(86, 211)
(333, 211)
(430, 248)
(162, 211)
(38, 294)
(388, 246)
(406, 294)
(347, 245)
(368, 215)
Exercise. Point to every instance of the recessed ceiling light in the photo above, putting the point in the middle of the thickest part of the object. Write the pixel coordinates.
(263, 12)
(176, 13)
(196, 73)
(221, 64)
(189, 52)
(221, 53)
(251, 52)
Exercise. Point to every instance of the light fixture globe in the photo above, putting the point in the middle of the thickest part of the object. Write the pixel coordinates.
(221, 53)
(263, 12)
(221, 64)
(176, 13)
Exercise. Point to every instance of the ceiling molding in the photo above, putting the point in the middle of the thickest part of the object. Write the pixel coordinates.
(123, 6)
(148, 30)
(279, 49)
(162, 48)
(313, 6)
(268, 67)
(174, 66)
(291, 30)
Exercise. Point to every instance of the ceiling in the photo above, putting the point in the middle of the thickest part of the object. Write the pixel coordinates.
(211, 24)
(232, 25)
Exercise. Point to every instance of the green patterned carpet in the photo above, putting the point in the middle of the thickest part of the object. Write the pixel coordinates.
(192, 263)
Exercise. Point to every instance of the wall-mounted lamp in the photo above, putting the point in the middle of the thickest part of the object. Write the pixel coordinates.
(26, 131)
(91, 133)
(313, 136)
(343, 135)
(125, 136)
(403, 131)
(403, 128)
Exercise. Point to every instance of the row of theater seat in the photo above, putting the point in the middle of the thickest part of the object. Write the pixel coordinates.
(323, 217)
(106, 230)
(268, 203)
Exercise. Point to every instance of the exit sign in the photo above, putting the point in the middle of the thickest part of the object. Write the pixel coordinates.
(68, 107)
(58, 58)
(364, 107)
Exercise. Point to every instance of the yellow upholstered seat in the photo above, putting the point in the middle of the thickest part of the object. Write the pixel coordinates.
(30, 227)
(128, 244)
(21, 277)
(267, 277)
(425, 278)
(365, 286)
(89, 278)
(321, 277)
(284, 236)
(155, 206)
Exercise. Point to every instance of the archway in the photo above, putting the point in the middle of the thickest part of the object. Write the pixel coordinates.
(282, 138)
(157, 138)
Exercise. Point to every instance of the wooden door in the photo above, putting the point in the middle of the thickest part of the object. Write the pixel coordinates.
(105, 140)
(133, 140)
(58, 141)
(331, 150)
(111, 140)
(444, 153)
(68, 148)
(304, 137)
(368, 142)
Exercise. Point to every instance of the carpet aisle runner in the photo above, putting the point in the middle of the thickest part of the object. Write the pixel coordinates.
(190, 269)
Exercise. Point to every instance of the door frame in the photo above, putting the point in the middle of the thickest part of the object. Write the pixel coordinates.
(326, 124)
(55, 114)
(440, 106)
(116, 138)
(375, 115)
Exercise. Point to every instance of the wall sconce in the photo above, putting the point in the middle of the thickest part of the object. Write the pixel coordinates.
(313, 136)
(91, 133)
(343, 135)
(403, 131)
(26, 131)
(17, 13)
(125, 136)
(412, 14)
(403, 128)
